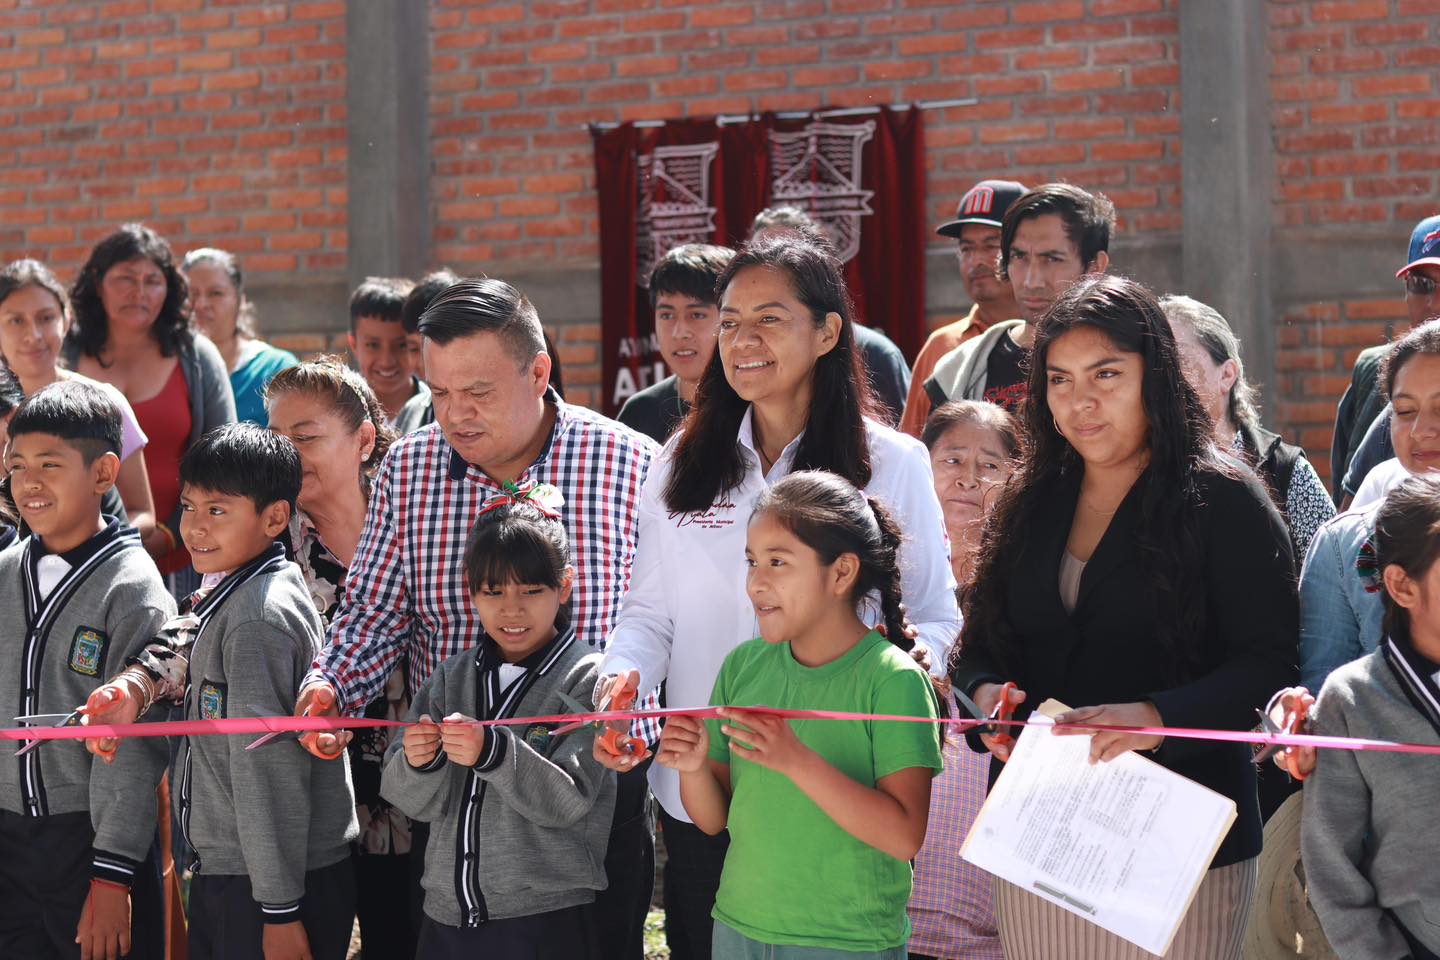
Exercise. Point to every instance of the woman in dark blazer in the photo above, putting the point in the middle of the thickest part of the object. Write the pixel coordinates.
(1132, 574)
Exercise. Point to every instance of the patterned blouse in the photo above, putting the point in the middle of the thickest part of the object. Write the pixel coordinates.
(383, 829)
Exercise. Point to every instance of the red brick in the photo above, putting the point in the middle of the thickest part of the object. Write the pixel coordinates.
(1349, 113)
(1328, 12)
(1004, 39)
(1308, 88)
(1008, 86)
(1392, 85)
(1012, 132)
(1127, 150)
(1057, 58)
(826, 76)
(1348, 62)
(623, 47)
(1344, 164)
(965, 19)
(1127, 53)
(897, 70)
(1050, 154)
(1088, 129)
(647, 66)
(232, 39)
(552, 52)
(1111, 8)
(1088, 31)
(722, 17)
(1047, 11)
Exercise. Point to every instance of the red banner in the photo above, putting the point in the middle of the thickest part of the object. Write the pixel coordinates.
(861, 176)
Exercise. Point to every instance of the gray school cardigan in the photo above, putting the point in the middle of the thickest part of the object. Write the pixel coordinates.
(1369, 835)
(275, 812)
(532, 818)
(58, 650)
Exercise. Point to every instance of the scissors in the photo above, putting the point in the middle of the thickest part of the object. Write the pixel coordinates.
(1004, 710)
(1293, 723)
(71, 719)
(270, 737)
(615, 742)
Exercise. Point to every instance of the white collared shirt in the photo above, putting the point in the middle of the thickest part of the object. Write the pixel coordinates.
(687, 607)
(49, 571)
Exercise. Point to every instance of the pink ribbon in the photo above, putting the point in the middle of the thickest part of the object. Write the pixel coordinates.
(262, 725)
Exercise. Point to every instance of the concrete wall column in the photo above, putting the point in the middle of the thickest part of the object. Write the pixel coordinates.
(1227, 170)
(387, 65)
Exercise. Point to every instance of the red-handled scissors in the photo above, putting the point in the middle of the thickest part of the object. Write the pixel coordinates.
(613, 740)
(1004, 710)
(1295, 723)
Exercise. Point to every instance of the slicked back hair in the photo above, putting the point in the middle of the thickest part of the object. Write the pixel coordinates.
(485, 305)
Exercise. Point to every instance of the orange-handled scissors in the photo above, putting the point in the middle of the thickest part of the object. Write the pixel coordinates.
(615, 741)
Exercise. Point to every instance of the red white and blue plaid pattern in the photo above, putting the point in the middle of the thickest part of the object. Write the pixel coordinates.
(406, 591)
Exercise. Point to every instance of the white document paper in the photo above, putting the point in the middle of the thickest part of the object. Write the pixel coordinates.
(1124, 844)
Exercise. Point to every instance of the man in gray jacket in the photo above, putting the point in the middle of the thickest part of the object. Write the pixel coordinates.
(1051, 237)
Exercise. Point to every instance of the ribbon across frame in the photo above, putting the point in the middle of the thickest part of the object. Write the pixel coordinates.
(263, 725)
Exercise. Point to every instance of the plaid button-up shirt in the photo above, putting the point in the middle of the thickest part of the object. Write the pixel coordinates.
(406, 591)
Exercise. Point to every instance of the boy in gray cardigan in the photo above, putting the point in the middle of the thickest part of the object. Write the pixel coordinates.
(80, 594)
(269, 828)
(519, 817)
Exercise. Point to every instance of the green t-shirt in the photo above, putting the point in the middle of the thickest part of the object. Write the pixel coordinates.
(792, 876)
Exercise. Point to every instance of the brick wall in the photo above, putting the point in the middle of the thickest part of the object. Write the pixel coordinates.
(1357, 136)
(1086, 91)
(1081, 90)
(215, 123)
(224, 122)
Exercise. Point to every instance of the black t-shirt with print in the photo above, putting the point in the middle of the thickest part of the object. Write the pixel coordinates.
(1006, 372)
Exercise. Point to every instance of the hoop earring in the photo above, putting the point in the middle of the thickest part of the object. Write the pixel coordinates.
(1057, 426)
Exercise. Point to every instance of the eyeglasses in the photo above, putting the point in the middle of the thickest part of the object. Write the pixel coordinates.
(1419, 285)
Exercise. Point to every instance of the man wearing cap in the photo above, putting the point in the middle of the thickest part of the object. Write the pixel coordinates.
(1362, 424)
(1050, 237)
(977, 228)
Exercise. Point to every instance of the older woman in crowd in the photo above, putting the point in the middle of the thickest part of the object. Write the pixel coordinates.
(131, 331)
(973, 447)
(223, 313)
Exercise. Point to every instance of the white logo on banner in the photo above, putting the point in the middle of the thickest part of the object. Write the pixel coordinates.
(818, 170)
(682, 174)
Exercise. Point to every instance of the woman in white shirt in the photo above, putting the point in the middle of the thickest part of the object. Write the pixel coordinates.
(785, 391)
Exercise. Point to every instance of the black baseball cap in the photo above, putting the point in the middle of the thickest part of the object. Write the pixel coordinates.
(986, 203)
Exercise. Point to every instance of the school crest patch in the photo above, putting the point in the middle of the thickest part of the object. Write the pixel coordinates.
(87, 651)
(537, 737)
(212, 700)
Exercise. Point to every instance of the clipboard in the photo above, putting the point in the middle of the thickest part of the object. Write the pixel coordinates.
(1124, 844)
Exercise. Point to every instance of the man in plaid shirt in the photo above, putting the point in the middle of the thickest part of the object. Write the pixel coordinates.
(497, 421)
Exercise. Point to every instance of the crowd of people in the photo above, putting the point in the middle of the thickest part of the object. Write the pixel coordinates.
(1071, 496)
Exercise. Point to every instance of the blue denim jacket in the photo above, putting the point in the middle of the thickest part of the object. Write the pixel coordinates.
(1340, 620)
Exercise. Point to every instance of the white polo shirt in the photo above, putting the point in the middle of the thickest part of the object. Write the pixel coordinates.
(687, 607)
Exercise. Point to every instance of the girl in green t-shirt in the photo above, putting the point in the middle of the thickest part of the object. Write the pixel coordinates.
(824, 815)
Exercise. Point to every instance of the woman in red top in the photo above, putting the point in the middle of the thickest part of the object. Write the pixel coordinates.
(131, 331)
